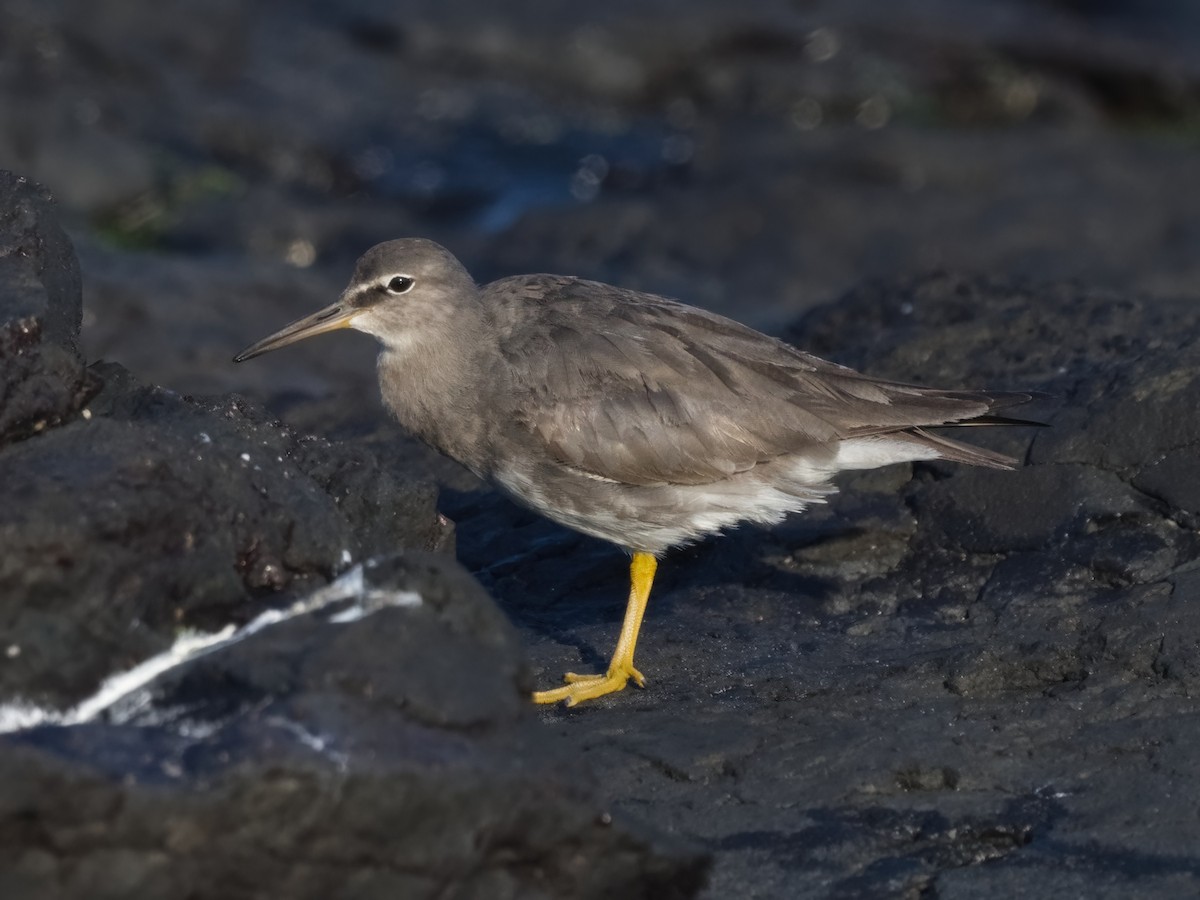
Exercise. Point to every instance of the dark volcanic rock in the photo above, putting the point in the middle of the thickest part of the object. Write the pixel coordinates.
(147, 511)
(388, 756)
(445, 657)
(41, 372)
(155, 512)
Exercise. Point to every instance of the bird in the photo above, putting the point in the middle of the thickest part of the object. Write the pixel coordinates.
(624, 415)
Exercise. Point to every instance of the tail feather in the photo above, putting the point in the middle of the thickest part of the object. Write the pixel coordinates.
(955, 451)
(908, 407)
(995, 401)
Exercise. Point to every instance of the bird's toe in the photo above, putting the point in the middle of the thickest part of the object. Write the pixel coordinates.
(588, 687)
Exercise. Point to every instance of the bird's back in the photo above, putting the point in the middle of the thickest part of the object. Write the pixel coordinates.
(640, 389)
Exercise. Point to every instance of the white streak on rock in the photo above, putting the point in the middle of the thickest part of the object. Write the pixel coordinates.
(124, 686)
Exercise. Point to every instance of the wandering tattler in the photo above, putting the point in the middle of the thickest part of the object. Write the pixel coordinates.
(624, 415)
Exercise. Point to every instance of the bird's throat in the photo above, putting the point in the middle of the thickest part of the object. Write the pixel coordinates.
(436, 391)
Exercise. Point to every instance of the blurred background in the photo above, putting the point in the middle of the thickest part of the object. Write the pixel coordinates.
(220, 165)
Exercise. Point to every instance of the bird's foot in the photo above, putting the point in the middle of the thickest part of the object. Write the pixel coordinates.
(588, 687)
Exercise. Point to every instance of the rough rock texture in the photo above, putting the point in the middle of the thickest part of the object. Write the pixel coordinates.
(944, 683)
(387, 757)
(156, 512)
(41, 371)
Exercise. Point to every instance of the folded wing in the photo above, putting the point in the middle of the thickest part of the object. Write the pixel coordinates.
(642, 390)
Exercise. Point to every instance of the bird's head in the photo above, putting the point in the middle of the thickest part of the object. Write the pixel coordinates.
(399, 289)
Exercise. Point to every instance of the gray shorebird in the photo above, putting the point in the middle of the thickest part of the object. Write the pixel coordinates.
(625, 415)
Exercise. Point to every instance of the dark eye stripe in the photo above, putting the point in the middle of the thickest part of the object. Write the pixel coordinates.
(362, 296)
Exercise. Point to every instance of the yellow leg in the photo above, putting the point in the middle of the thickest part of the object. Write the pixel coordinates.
(620, 669)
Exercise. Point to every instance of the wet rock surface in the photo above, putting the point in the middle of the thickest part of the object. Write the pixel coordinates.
(944, 683)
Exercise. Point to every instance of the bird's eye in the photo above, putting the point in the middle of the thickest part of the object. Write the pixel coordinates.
(399, 284)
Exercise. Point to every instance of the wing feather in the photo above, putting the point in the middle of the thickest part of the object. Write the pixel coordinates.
(639, 389)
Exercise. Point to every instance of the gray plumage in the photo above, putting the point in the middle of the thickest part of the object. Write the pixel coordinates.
(621, 414)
